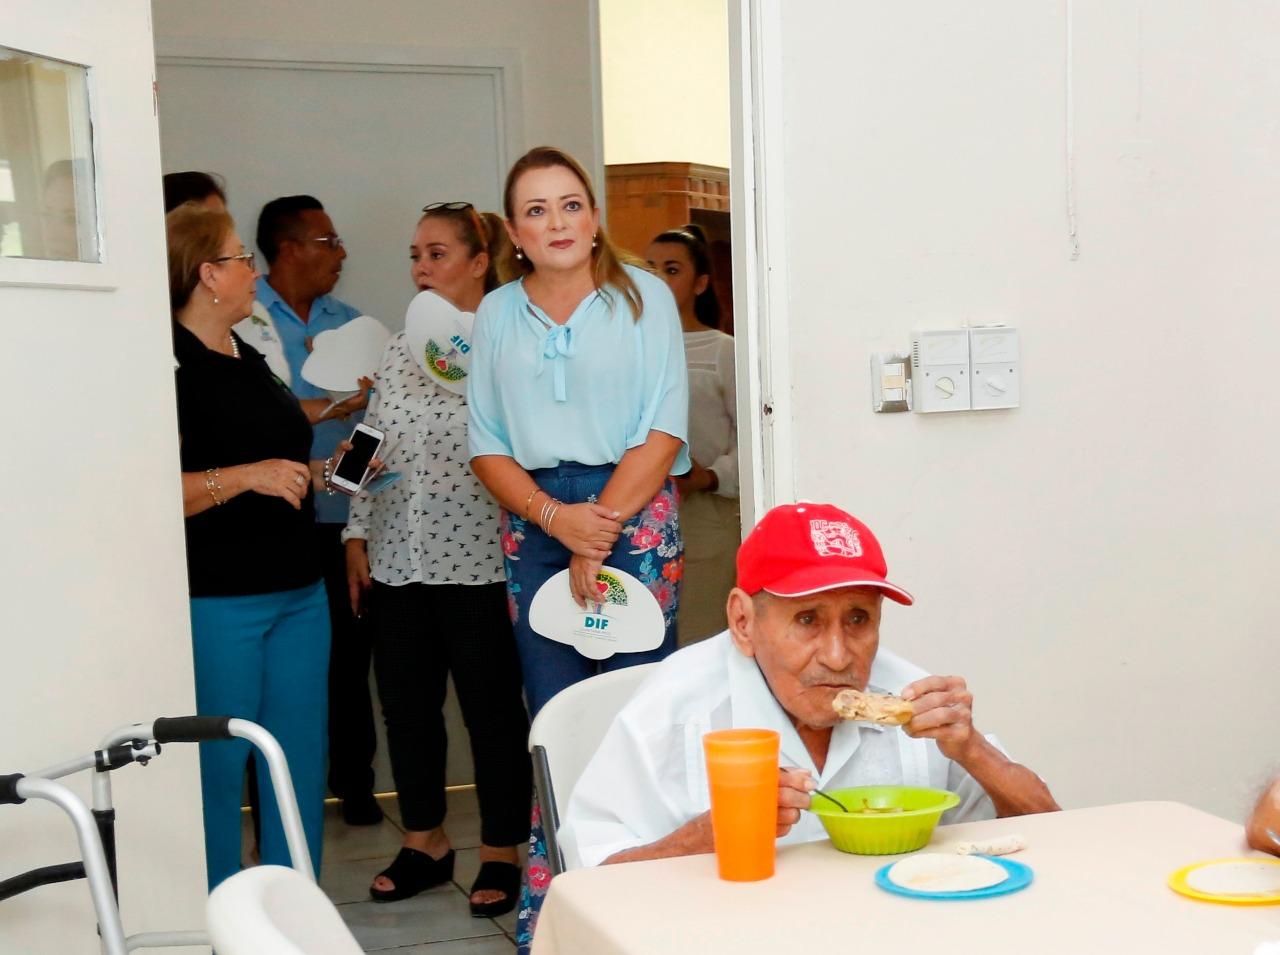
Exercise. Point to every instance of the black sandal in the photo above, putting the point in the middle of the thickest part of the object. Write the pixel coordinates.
(495, 877)
(413, 871)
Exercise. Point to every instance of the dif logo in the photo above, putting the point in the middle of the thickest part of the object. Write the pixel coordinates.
(460, 343)
(595, 623)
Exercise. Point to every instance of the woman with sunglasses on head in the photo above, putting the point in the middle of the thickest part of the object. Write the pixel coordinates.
(424, 555)
(709, 516)
(259, 617)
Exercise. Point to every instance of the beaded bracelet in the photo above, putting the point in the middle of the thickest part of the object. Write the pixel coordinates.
(214, 486)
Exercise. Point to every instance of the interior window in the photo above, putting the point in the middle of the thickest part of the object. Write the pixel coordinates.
(48, 208)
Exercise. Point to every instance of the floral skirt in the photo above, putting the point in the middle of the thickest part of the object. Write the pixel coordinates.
(650, 548)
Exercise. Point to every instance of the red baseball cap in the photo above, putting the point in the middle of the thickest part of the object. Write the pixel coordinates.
(801, 549)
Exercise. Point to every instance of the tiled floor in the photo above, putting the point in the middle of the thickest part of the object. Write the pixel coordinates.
(436, 922)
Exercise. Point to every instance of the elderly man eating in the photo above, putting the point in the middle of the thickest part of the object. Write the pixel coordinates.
(804, 624)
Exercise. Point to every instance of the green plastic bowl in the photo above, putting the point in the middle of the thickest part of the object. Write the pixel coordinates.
(883, 833)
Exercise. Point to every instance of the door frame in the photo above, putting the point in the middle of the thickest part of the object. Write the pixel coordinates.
(760, 255)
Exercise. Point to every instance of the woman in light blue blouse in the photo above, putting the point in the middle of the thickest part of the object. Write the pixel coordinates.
(578, 401)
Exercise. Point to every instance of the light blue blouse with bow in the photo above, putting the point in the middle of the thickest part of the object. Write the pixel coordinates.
(585, 391)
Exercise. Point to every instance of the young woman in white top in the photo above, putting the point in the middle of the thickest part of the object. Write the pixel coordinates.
(709, 514)
(424, 554)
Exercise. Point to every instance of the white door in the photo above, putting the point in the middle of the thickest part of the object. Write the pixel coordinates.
(93, 602)
(375, 133)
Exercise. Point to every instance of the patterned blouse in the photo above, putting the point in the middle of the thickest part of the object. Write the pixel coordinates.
(437, 524)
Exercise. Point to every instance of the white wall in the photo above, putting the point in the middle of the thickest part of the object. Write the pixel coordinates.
(1101, 562)
(665, 77)
(93, 591)
(554, 39)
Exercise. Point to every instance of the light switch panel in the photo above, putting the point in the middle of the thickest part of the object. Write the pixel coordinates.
(890, 382)
(996, 368)
(941, 370)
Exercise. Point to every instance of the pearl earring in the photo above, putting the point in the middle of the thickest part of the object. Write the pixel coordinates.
(215, 299)
(519, 254)
(595, 241)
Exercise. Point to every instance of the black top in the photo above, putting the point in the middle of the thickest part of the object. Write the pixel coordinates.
(235, 411)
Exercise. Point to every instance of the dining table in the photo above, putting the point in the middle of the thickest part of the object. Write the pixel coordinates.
(1100, 884)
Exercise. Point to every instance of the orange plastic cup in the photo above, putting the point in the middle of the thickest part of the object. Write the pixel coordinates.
(742, 771)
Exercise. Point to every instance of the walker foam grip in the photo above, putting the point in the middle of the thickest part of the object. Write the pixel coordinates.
(190, 729)
(9, 790)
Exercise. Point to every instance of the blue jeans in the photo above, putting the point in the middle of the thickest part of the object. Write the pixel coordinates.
(650, 549)
(264, 658)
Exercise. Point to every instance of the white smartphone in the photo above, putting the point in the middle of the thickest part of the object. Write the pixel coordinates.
(352, 469)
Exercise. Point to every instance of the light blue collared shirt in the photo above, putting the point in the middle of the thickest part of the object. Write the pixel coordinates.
(586, 391)
(327, 312)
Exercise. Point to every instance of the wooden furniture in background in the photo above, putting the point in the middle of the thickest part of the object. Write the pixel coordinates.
(644, 199)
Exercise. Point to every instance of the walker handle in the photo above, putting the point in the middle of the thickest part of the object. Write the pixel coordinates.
(9, 790)
(190, 729)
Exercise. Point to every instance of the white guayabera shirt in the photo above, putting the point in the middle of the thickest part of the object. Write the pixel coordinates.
(259, 330)
(649, 777)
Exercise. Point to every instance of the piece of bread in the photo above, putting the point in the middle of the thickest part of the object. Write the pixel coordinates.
(994, 846)
(853, 704)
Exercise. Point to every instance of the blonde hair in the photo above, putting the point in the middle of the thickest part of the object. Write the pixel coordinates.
(195, 236)
(607, 259)
(480, 232)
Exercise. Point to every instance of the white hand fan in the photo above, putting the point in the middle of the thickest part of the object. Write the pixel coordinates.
(439, 337)
(342, 356)
(625, 619)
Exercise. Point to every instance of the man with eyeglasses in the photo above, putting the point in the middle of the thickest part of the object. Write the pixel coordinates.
(304, 256)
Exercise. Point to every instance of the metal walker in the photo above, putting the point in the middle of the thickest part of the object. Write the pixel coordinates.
(95, 829)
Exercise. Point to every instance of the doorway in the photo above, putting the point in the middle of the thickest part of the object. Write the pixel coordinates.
(380, 110)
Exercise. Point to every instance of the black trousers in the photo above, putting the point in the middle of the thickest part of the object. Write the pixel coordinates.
(422, 634)
(353, 739)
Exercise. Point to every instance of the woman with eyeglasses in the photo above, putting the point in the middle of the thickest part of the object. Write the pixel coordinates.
(709, 516)
(259, 616)
(423, 554)
(206, 191)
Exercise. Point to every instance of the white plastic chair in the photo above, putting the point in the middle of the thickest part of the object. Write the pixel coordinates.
(273, 910)
(565, 735)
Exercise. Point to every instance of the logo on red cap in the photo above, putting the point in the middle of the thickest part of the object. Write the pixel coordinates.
(801, 549)
(834, 539)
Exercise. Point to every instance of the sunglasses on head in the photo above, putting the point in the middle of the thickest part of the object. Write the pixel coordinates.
(451, 206)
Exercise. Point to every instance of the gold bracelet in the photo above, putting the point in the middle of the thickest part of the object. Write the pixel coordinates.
(529, 500)
(548, 512)
(213, 486)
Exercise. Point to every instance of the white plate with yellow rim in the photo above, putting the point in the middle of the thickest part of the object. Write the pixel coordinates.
(1251, 880)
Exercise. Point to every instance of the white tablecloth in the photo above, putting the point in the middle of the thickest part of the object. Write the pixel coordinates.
(1100, 887)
